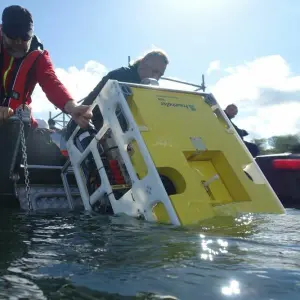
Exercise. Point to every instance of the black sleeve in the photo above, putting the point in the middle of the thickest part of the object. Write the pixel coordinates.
(119, 74)
(245, 132)
(239, 131)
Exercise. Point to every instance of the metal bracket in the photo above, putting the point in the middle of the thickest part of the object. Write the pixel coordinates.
(198, 143)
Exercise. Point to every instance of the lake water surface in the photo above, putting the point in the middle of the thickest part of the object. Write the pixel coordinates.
(86, 256)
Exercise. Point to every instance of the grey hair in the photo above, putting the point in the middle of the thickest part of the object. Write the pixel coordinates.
(152, 53)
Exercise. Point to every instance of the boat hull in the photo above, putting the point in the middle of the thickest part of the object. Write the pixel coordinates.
(45, 162)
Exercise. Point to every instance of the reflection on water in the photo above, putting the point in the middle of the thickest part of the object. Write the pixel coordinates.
(208, 251)
(83, 256)
(232, 289)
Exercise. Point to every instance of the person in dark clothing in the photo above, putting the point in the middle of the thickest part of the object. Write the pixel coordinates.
(231, 111)
(151, 65)
(52, 124)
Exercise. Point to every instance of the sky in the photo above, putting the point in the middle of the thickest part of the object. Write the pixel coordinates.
(248, 50)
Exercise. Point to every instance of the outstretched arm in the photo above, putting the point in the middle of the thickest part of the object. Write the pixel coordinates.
(57, 93)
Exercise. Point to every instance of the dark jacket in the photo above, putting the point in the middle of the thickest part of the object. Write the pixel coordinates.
(123, 74)
(241, 132)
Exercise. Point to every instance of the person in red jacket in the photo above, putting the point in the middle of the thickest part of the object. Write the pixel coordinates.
(24, 63)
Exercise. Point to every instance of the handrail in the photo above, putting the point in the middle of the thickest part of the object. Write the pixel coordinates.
(200, 87)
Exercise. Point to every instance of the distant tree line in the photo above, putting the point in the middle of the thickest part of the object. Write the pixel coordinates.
(279, 144)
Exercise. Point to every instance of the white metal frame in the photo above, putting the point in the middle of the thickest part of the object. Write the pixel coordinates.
(145, 193)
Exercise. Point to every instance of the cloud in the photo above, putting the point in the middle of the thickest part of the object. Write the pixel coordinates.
(79, 82)
(271, 97)
(214, 66)
(267, 94)
(267, 121)
(265, 90)
(246, 82)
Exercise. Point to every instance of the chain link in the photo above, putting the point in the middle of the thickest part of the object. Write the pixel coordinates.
(24, 155)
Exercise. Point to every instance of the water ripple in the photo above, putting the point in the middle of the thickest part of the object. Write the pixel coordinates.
(84, 256)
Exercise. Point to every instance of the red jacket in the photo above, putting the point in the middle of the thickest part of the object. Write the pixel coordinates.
(42, 73)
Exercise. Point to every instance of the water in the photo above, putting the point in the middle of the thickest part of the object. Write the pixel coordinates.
(84, 256)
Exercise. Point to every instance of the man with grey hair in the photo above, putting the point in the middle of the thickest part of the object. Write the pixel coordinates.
(152, 65)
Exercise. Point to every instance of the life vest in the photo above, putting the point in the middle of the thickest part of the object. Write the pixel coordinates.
(18, 89)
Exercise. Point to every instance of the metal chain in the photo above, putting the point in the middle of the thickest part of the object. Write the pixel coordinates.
(24, 155)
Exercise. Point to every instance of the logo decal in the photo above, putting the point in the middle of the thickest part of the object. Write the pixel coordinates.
(164, 101)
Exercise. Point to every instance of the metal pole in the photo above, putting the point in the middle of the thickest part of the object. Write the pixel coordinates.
(203, 87)
(199, 87)
(57, 115)
(183, 82)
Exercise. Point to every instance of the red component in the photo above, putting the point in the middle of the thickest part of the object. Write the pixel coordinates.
(116, 172)
(113, 163)
(120, 181)
(64, 153)
(118, 176)
(286, 164)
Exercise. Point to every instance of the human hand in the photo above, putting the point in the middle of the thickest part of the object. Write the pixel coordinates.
(80, 114)
(5, 113)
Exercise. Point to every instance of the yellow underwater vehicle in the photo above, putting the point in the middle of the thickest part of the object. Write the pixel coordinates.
(169, 156)
(163, 155)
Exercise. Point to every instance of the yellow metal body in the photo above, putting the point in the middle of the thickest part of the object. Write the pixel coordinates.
(191, 144)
